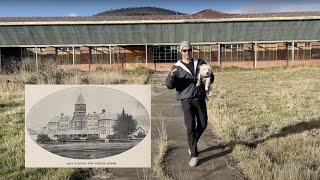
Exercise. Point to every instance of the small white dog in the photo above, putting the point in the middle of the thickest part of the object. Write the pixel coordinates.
(204, 75)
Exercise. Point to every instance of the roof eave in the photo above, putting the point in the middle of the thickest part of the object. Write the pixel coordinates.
(160, 21)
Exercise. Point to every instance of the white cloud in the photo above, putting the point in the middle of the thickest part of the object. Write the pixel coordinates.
(72, 14)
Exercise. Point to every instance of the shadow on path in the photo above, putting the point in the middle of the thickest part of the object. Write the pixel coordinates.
(313, 123)
(214, 156)
(299, 127)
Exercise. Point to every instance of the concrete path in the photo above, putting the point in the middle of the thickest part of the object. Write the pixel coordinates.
(213, 156)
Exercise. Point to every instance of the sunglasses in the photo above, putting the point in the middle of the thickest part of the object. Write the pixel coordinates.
(186, 50)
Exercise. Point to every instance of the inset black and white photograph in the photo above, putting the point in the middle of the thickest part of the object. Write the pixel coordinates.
(87, 122)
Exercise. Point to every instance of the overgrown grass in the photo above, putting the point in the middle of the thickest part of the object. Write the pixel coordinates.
(73, 76)
(12, 115)
(276, 109)
(295, 157)
(162, 145)
(251, 104)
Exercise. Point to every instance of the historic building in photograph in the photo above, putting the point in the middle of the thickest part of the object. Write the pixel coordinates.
(225, 40)
(81, 126)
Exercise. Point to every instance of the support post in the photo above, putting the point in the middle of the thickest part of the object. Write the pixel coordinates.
(309, 51)
(219, 55)
(22, 55)
(276, 51)
(255, 54)
(231, 54)
(37, 64)
(298, 49)
(146, 47)
(210, 49)
(264, 52)
(89, 57)
(292, 52)
(225, 52)
(237, 52)
(73, 56)
(0, 61)
(110, 53)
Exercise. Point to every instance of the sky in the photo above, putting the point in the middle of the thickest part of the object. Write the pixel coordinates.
(22, 8)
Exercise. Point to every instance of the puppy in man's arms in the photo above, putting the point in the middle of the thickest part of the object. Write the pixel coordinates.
(204, 76)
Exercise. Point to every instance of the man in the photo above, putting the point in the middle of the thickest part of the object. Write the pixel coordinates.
(183, 77)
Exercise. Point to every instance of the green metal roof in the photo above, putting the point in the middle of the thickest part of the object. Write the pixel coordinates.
(196, 32)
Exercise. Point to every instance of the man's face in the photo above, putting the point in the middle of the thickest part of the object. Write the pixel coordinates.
(186, 52)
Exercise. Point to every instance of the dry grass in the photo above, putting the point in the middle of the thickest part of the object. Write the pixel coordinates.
(73, 76)
(295, 157)
(162, 145)
(278, 110)
(12, 116)
(248, 105)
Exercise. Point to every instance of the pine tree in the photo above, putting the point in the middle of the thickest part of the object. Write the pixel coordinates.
(124, 125)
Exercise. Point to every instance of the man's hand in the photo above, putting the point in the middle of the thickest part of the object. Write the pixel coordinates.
(173, 72)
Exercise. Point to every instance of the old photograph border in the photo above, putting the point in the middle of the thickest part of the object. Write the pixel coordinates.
(139, 156)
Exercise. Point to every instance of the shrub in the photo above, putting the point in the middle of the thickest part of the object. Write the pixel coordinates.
(43, 138)
(33, 79)
(63, 138)
(85, 80)
(75, 138)
(58, 76)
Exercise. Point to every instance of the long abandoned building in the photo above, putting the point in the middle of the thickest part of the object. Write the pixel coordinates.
(252, 41)
(81, 125)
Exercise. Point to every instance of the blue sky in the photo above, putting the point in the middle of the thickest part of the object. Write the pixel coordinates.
(89, 7)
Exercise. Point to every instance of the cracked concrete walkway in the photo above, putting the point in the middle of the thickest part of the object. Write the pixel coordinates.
(213, 162)
(213, 156)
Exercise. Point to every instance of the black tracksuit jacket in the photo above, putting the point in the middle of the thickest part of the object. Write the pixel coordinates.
(185, 83)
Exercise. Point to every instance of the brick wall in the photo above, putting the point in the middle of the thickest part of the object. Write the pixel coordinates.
(242, 64)
(272, 63)
(168, 66)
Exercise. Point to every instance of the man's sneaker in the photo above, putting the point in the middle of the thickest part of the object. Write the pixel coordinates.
(194, 161)
(189, 152)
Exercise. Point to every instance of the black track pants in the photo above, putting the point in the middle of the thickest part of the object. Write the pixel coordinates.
(195, 118)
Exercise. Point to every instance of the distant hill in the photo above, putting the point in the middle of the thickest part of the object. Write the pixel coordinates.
(139, 11)
(212, 14)
(156, 13)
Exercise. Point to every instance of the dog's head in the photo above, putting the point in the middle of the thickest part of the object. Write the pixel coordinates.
(205, 70)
